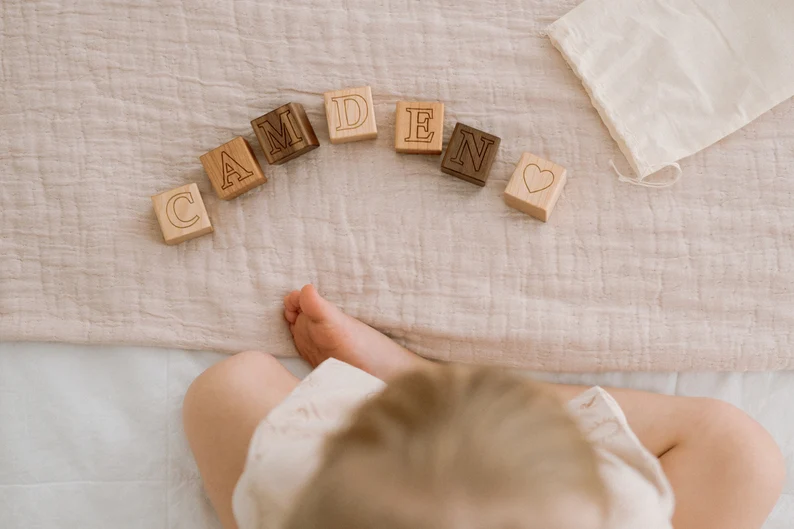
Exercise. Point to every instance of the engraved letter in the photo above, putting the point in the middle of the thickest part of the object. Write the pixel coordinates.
(282, 138)
(470, 145)
(231, 168)
(343, 109)
(420, 119)
(173, 216)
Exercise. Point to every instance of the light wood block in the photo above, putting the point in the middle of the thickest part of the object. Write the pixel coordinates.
(233, 169)
(535, 186)
(470, 154)
(181, 214)
(351, 115)
(285, 133)
(419, 127)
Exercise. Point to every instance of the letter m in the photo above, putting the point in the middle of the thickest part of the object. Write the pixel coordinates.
(283, 137)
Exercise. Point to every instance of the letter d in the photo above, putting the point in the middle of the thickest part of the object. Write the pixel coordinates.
(343, 114)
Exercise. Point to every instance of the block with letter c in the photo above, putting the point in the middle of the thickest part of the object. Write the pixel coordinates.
(181, 214)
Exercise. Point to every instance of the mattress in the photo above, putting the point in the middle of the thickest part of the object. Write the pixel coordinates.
(104, 105)
(92, 437)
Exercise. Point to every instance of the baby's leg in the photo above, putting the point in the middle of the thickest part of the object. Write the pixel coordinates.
(321, 331)
(222, 408)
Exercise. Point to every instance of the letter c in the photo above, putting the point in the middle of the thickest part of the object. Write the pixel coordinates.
(173, 217)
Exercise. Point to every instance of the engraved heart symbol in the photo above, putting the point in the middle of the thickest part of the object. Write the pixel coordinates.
(537, 170)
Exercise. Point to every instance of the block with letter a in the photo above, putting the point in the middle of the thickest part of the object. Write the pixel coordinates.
(419, 127)
(233, 168)
(351, 115)
(285, 133)
(181, 214)
(470, 154)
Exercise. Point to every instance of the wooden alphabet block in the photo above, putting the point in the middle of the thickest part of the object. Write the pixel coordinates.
(181, 214)
(470, 154)
(285, 133)
(351, 115)
(419, 127)
(535, 186)
(233, 168)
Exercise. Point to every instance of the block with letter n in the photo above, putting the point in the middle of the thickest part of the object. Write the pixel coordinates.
(285, 133)
(470, 154)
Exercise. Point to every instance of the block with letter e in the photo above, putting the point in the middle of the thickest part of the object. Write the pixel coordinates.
(351, 115)
(470, 154)
(285, 133)
(419, 127)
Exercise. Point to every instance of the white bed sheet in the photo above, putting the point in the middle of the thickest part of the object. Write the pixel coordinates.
(91, 437)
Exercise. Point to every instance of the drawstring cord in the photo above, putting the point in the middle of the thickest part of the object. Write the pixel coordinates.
(640, 181)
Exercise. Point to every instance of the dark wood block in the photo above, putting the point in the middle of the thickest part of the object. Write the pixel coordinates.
(470, 154)
(285, 133)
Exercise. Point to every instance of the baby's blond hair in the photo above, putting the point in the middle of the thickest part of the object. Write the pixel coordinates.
(453, 447)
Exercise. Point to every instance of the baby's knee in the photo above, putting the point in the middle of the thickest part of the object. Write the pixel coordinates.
(245, 365)
(750, 452)
(221, 382)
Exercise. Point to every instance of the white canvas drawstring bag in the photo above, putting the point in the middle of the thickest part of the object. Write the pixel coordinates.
(671, 77)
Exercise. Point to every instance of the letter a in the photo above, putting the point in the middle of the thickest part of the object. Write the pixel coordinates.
(231, 168)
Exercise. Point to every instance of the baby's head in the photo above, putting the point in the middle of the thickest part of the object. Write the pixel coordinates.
(456, 448)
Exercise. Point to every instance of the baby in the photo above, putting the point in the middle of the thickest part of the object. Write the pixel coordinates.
(377, 437)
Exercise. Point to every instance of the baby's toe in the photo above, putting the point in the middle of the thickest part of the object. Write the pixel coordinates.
(292, 306)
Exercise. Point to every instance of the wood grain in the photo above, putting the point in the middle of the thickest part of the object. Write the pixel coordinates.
(535, 186)
(285, 133)
(181, 214)
(351, 115)
(419, 127)
(233, 169)
(470, 154)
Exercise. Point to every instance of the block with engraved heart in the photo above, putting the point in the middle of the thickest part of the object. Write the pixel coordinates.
(535, 186)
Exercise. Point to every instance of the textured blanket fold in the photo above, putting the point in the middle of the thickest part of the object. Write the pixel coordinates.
(102, 107)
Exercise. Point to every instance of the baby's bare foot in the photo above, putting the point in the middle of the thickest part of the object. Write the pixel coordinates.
(322, 331)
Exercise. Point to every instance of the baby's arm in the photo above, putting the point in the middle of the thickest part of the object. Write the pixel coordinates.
(726, 470)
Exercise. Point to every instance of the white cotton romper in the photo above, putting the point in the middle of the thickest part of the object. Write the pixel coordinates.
(287, 448)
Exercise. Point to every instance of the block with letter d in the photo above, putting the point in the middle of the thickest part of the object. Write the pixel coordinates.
(351, 115)
(285, 133)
